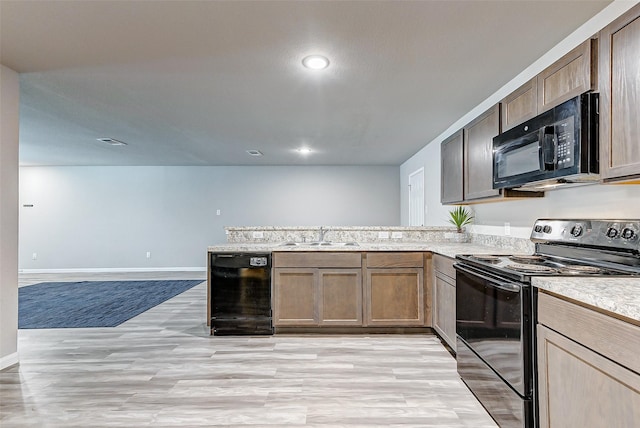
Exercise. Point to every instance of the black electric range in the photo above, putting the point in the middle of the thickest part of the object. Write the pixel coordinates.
(496, 306)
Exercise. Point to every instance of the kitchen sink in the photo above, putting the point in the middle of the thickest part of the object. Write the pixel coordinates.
(319, 244)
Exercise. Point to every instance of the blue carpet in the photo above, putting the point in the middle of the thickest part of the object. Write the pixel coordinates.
(92, 303)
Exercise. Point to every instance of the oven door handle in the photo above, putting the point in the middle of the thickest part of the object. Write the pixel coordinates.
(504, 286)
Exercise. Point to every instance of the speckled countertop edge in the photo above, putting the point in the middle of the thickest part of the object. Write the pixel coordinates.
(353, 228)
(620, 296)
(446, 249)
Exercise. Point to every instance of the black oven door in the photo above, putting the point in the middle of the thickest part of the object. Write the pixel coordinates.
(493, 320)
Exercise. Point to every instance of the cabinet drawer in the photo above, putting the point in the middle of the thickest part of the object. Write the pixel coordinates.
(395, 259)
(318, 260)
(611, 337)
(444, 265)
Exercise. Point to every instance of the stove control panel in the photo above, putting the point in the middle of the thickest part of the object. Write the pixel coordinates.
(620, 234)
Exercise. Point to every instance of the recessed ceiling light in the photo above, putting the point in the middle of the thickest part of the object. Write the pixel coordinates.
(304, 150)
(315, 62)
(254, 152)
(112, 141)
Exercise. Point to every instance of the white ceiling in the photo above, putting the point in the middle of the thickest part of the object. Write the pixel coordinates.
(201, 82)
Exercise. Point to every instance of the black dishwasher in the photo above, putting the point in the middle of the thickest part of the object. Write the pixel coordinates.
(240, 293)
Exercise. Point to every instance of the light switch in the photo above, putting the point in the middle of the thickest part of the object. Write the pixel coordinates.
(383, 235)
(258, 235)
(396, 235)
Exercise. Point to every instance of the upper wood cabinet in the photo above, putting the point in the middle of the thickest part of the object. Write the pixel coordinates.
(452, 169)
(570, 76)
(520, 105)
(619, 70)
(478, 155)
(467, 164)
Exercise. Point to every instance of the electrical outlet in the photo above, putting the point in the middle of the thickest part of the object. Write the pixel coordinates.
(148, 254)
(507, 229)
(383, 235)
(258, 235)
(396, 235)
(217, 212)
(34, 256)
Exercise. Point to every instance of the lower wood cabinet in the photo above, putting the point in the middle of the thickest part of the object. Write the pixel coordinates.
(587, 367)
(295, 296)
(326, 289)
(340, 297)
(394, 297)
(316, 295)
(394, 289)
(444, 299)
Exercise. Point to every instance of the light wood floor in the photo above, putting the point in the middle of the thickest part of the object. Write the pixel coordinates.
(162, 369)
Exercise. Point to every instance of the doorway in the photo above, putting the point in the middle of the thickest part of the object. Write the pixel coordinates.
(416, 198)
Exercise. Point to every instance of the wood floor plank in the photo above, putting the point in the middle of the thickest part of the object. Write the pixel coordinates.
(162, 369)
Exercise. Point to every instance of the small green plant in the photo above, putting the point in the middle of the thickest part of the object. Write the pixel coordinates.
(460, 217)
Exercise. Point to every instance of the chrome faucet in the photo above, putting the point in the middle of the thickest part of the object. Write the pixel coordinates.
(321, 234)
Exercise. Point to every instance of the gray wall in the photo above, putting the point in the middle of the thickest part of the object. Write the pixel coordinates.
(596, 201)
(9, 102)
(109, 217)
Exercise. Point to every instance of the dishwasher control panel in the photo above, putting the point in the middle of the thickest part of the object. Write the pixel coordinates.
(258, 261)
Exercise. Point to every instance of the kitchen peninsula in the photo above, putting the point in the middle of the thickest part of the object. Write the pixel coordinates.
(609, 295)
(361, 279)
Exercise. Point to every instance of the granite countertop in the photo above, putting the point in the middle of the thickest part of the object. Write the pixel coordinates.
(619, 296)
(444, 248)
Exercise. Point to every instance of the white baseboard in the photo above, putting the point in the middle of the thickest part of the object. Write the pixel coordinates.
(114, 270)
(9, 360)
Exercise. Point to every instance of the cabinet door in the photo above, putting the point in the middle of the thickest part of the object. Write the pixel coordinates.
(579, 388)
(520, 105)
(341, 297)
(444, 311)
(478, 155)
(452, 167)
(295, 297)
(570, 76)
(394, 297)
(619, 71)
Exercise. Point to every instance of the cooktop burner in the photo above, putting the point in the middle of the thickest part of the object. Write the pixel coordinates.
(487, 258)
(581, 269)
(524, 259)
(531, 268)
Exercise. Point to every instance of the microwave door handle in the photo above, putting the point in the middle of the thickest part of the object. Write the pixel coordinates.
(548, 139)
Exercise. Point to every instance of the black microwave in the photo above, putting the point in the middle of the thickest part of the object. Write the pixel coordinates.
(555, 148)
